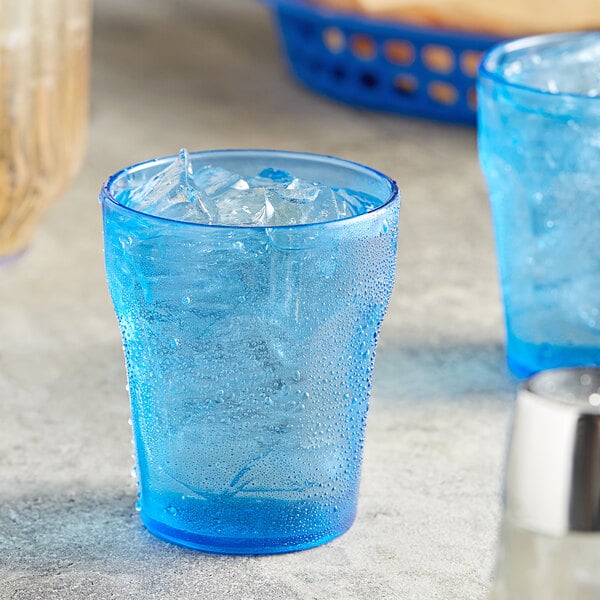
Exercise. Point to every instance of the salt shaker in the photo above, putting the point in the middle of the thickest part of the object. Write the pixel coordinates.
(549, 547)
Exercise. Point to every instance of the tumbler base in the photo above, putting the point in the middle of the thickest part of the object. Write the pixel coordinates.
(240, 545)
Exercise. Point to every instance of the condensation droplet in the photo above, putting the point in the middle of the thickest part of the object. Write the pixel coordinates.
(594, 399)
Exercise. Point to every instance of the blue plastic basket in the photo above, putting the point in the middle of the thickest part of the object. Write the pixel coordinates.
(382, 65)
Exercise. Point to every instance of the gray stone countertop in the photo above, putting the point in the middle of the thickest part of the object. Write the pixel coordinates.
(208, 74)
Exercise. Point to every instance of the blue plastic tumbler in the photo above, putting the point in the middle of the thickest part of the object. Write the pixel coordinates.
(539, 142)
(249, 356)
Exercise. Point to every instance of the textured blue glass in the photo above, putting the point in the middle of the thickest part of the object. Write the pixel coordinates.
(540, 153)
(249, 355)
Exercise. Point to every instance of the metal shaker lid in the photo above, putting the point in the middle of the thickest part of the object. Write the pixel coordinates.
(553, 469)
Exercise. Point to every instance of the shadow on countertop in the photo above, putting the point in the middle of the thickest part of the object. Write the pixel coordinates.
(92, 545)
(448, 371)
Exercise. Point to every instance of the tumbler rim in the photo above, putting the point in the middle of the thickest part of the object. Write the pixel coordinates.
(488, 67)
(107, 197)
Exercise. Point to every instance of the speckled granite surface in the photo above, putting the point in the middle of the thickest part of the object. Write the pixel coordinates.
(207, 74)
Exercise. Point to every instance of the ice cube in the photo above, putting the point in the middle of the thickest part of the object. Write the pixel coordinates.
(285, 211)
(312, 203)
(214, 181)
(184, 211)
(214, 195)
(301, 191)
(265, 214)
(334, 204)
(243, 207)
(300, 202)
(171, 193)
(353, 202)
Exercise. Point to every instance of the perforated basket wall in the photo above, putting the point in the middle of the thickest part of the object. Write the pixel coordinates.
(380, 65)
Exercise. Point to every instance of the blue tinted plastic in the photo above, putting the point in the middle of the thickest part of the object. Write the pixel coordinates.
(539, 152)
(249, 355)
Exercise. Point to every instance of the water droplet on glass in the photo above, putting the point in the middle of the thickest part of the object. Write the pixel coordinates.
(594, 399)
(328, 266)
